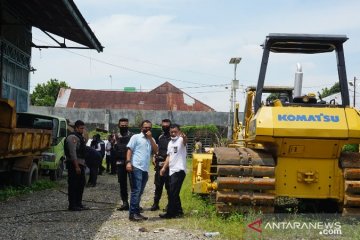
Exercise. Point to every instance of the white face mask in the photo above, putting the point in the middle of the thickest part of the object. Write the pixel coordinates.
(174, 138)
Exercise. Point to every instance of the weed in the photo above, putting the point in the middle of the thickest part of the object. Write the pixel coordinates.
(11, 191)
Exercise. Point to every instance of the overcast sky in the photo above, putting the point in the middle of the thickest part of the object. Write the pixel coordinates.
(190, 42)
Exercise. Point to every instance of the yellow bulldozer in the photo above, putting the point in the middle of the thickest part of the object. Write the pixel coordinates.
(290, 146)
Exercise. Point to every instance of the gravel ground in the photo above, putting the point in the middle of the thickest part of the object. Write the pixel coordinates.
(44, 215)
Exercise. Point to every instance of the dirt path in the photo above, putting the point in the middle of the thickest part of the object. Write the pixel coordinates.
(44, 215)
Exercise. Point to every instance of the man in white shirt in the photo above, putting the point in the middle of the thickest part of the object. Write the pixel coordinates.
(176, 162)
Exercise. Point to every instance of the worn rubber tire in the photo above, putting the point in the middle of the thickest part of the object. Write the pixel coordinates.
(31, 176)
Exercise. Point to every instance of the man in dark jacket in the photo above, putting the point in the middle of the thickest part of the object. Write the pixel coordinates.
(92, 159)
(99, 146)
(158, 161)
(75, 159)
(120, 149)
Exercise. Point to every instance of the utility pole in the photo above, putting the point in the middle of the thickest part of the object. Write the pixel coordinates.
(354, 90)
(234, 86)
(353, 84)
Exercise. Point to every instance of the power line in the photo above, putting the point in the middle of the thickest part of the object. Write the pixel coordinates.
(129, 69)
(162, 65)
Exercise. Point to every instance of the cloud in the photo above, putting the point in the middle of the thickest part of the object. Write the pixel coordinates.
(167, 39)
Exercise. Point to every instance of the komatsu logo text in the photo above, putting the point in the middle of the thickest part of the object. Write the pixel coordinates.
(308, 118)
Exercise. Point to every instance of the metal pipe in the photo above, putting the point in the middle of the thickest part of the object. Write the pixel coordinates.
(298, 80)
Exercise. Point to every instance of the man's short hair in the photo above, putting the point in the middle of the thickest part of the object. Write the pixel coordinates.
(79, 123)
(166, 120)
(174, 125)
(145, 121)
(123, 120)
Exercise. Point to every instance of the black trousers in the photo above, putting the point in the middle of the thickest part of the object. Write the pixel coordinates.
(122, 179)
(108, 163)
(159, 182)
(100, 166)
(93, 173)
(174, 205)
(76, 184)
(113, 165)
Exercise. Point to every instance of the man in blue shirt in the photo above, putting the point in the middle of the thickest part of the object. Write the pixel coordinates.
(140, 148)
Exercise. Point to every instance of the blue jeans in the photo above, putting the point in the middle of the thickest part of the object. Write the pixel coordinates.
(138, 180)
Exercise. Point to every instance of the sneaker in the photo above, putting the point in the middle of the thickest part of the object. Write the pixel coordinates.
(135, 217)
(143, 217)
(74, 209)
(166, 216)
(84, 207)
(123, 207)
(154, 207)
(141, 209)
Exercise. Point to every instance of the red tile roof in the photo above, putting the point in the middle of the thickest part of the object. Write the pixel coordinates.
(164, 97)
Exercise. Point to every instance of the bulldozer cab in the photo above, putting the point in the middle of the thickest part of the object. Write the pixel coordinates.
(273, 95)
(303, 44)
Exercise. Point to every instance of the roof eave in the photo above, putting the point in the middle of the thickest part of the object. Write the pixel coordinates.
(83, 24)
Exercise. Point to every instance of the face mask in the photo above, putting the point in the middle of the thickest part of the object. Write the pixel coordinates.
(166, 129)
(174, 138)
(123, 130)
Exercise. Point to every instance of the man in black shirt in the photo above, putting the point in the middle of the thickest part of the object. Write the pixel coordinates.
(120, 150)
(74, 149)
(158, 161)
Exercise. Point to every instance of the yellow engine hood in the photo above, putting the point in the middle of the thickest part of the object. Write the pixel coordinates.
(305, 122)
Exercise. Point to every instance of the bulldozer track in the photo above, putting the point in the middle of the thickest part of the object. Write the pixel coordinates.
(351, 170)
(246, 180)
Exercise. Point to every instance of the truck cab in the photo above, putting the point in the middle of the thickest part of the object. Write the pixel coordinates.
(53, 158)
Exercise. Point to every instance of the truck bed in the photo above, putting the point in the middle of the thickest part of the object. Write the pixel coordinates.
(18, 142)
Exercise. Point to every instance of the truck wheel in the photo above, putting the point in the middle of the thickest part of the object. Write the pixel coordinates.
(56, 174)
(31, 176)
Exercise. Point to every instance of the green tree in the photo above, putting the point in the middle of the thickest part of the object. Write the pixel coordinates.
(45, 94)
(327, 92)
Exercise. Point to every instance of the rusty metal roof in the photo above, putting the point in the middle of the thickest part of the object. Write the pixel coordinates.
(164, 97)
(60, 17)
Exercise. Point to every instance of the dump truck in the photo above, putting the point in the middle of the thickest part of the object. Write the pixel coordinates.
(21, 148)
(289, 148)
(53, 159)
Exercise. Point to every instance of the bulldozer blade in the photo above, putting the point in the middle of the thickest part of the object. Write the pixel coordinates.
(242, 156)
(248, 171)
(245, 198)
(352, 173)
(246, 183)
(351, 200)
(352, 186)
(350, 160)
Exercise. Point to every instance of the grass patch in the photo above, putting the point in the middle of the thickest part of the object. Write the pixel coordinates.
(11, 191)
(201, 213)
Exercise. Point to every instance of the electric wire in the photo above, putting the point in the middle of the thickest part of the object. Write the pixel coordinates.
(131, 69)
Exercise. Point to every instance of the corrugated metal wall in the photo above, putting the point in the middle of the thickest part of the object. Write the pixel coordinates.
(15, 55)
